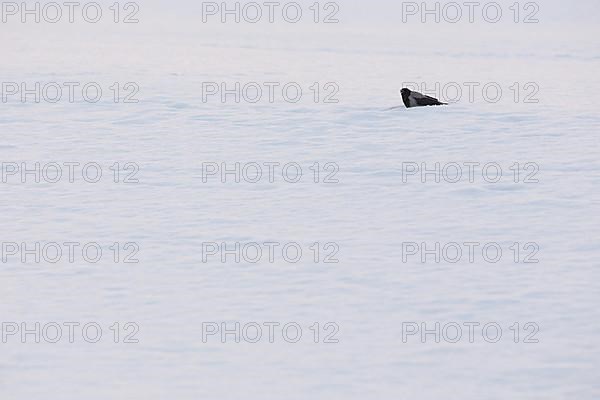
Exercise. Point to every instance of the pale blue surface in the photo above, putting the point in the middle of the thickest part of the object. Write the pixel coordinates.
(170, 133)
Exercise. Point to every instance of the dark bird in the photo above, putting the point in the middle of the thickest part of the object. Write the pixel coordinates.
(416, 99)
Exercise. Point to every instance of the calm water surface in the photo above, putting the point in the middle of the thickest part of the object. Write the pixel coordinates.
(369, 214)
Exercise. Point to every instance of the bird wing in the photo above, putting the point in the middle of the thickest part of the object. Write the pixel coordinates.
(428, 101)
(423, 100)
(417, 95)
